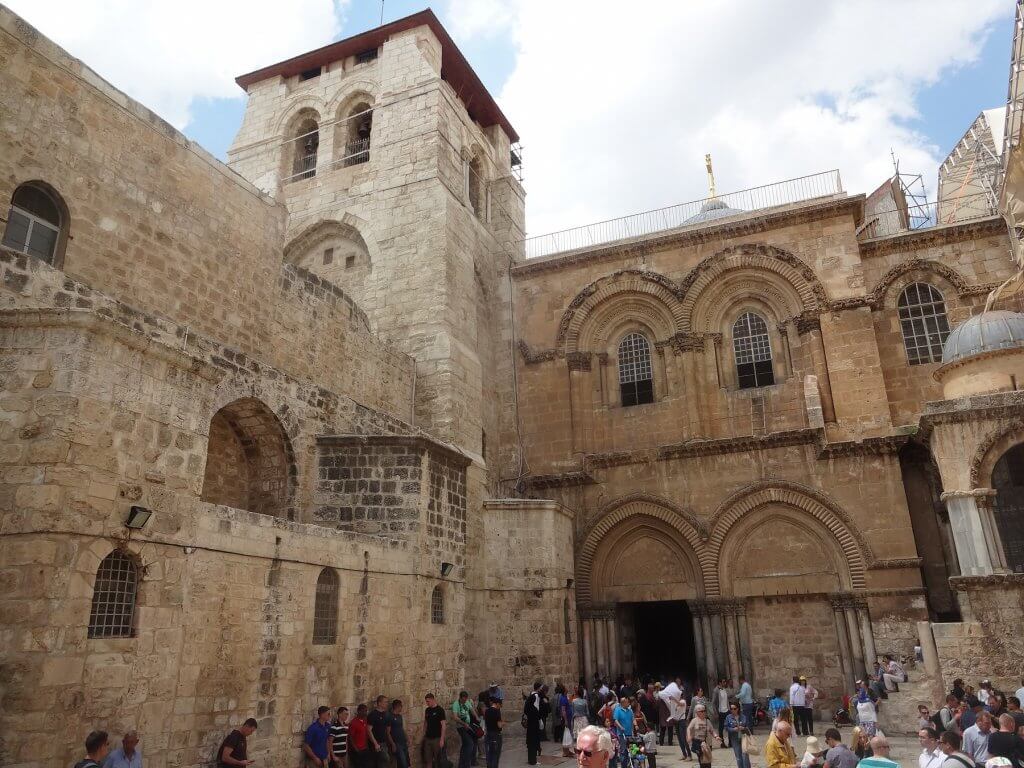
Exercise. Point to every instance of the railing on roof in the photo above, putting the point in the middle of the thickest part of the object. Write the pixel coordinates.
(816, 185)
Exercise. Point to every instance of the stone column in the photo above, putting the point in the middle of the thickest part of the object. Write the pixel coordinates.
(867, 634)
(710, 668)
(972, 540)
(580, 398)
(587, 635)
(732, 649)
(985, 498)
(601, 643)
(614, 651)
(744, 635)
(602, 374)
(853, 630)
(696, 614)
(718, 638)
(810, 329)
(845, 659)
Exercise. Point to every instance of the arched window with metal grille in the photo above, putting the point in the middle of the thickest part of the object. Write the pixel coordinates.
(923, 322)
(753, 352)
(437, 605)
(325, 608)
(113, 597)
(636, 377)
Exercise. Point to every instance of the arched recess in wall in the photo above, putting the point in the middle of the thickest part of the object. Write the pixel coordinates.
(640, 542)
(763, 272)
(353, 128)
(942, 276)
(597, 311)
(335, 250)
(301, 145)
(999, 464)
(752, 529)
(250, 463)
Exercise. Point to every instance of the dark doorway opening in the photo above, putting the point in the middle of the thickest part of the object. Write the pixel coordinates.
(663, 634)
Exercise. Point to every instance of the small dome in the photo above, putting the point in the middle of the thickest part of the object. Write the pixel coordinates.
(712, 209)
(986, 332)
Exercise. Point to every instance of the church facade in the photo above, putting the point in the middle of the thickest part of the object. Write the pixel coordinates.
(321, 423)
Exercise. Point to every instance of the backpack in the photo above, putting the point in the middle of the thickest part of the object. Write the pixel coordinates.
(937, 721)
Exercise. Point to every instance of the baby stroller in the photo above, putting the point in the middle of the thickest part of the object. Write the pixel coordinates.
(842, 716)
(761, 713)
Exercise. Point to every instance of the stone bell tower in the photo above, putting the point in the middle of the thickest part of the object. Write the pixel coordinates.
(395, 165)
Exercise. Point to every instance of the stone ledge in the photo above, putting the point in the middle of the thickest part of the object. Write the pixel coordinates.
(495, 505)
(968, 583)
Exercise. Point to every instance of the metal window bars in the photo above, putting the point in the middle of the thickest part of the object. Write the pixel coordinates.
(325, 609)
(356, 152)
(113, 597)
(437, 605)
(923, 322)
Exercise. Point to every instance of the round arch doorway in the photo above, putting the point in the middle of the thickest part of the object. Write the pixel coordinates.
(1008, 482)
(638, 574)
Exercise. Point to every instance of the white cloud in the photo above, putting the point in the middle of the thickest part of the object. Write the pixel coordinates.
(166, 54)
(617, 104)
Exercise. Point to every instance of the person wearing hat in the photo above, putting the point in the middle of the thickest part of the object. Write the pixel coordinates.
(812, 753)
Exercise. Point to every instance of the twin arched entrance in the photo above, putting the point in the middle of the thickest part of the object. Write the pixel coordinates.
(663, 592)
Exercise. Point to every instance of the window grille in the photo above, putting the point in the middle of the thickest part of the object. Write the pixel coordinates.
(113, 597)
(325, 609)
(753, 352)
(366, 56)
(307, 145)
(309, 74)
(636, 377)
(33, 223)
(923, 322)
(437, 605)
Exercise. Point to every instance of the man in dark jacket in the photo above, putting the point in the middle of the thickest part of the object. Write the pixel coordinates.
(532, 713)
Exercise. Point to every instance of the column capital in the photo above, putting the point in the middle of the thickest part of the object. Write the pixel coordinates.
(841, 601)
(596, 612)
(732, 606)
(578, 361)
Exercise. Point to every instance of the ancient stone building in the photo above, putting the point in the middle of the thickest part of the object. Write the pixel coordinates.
(321, 423)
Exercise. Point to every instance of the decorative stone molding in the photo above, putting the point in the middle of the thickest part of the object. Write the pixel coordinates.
(533, 358)
(752, 257)
(689, 526)
(968, 583)
(595, 612)
(841, 601)
(806, 323)
(819, 506)
(578, 361)
(876, 297)
(996, 441)
(563, 480)
(896, 592)
(895, 563)
(746, 443)
(937, 236)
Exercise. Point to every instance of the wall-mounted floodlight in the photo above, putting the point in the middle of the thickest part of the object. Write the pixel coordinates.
(138, 517)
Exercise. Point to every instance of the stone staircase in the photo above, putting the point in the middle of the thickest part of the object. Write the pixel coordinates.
(898, 713)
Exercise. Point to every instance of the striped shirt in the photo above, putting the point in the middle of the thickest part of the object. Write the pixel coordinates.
(339, 733)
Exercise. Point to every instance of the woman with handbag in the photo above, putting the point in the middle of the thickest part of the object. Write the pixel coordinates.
(700, 734)
(564, 718)
(738, 726)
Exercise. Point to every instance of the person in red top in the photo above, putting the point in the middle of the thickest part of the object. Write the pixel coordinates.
(358, 740)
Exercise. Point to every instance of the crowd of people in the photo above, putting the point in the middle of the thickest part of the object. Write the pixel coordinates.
(976, 727)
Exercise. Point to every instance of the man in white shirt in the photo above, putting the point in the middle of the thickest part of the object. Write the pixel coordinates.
(931, 756)
(1020, 692)
(810, 694)
(797, 702)
(975, 741)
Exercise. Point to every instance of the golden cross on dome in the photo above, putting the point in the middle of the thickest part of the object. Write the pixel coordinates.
(711, 177)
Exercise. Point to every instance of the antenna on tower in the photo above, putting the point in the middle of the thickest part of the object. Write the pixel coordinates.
(711, 177)
(382, 13)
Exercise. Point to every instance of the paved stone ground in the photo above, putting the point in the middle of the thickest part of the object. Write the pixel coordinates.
(905, 750)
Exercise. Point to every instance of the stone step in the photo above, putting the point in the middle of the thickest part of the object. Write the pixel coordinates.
(898, 713)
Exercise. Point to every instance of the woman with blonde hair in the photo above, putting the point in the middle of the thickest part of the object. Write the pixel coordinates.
(785, 716)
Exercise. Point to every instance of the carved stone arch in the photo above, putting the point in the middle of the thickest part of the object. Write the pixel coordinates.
(308, 105)
(325, 229)
(689, 528)
(626, 281)
(719, 306)
(817, 505)
(882, 295)
(991, 449)
(621, 314)
(753, 258)
(352, 92)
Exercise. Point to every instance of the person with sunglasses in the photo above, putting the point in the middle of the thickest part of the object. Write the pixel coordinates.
(593, 747)
(737, 725)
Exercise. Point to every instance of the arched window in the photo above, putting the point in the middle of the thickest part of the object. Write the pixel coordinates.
(306, 144)
(565, 621)
(325, 608)
(923, 322)
(475, 186)
(437, 605)
(34, 223)
(113, 597)
(1008, 481)
(636, 377)
(357, 142)
(753, 352)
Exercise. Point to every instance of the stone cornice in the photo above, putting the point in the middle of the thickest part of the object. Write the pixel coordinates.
(528, 505)
(872, 446)
(749, 225)
(895, 592)
(417, 442)
(977, 408)
(895, 563)
(91, 321)
(942, 370)
(940, 235)
(967, 583)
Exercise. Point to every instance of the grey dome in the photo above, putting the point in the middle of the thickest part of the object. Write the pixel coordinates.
(712, 209)
(988, 331)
